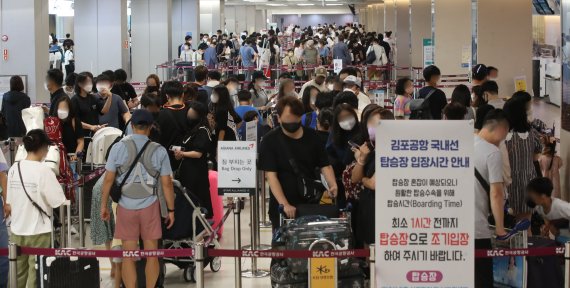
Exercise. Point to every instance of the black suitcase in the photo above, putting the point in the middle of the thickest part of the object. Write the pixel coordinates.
(544, 271)
(64, 272)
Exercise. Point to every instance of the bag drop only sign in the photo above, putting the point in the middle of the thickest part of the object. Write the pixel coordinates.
(237, 168)
(425, 210)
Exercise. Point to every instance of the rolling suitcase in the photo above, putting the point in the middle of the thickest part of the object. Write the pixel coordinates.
(544, 271)
(66, 272)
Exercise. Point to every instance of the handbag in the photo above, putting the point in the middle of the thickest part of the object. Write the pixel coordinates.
(117, 190)
(311, 190)
(352, 190)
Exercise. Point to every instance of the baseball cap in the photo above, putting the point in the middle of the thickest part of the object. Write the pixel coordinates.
(350, 79)
(142, 117)
(321, 71)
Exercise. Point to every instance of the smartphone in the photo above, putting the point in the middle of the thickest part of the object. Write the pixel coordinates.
(176, 148)
(353, 145)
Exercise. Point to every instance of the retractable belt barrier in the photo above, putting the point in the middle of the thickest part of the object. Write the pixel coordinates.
(359, 253)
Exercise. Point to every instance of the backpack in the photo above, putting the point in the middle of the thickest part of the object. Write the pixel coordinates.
(371, 56)
(142, 189)
(308, 120)
(420, 107)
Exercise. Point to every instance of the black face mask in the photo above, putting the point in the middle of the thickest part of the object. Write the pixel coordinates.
(192, 122)
(151, 89)
(530, 203)
(291, 127)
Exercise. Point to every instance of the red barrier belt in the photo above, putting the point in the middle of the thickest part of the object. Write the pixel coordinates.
(543, 251)
(87, 178)
(362, 253)
(289, 253)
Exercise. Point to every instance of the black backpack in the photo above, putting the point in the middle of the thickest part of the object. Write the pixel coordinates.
(420, 107)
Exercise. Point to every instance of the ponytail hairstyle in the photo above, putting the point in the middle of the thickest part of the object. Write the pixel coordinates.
(35, 140)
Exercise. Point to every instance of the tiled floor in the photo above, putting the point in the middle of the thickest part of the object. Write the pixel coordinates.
(225, 277)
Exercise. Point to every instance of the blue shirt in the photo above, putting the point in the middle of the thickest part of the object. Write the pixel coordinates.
(119, 155)
(241, 110)
(324, 52)
(210, 57)
(246, 53)
(313, 124)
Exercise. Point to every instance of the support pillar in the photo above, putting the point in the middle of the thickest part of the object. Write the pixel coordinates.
(26, 24)
(100, 35)
(421, 23)
(402, 35)
(452, 22)
(151, 36)
(185, 21)
(496, 32)
(565, 108)
(390, 16)
(212, 16)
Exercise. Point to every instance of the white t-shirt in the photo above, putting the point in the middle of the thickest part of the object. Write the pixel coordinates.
(489, 163)
(560, 209)
(42, 186)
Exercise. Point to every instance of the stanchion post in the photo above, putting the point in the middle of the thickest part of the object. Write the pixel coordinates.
(200, 258)
(13, 266)
(237, 240)
(80, 199)
(62, 230)
(372, 266)
(567, 266)
(263, 204)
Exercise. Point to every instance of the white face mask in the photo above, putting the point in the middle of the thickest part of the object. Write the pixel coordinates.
(347, 124)
(473, 97)
(45, 87)
(62, 114)
(102, 87)
(88, 87)
(214, 98)
(330, 87)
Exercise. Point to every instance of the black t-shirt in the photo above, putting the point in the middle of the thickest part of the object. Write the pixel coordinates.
(53, 99)
(172, 123)
(125, 90)
(227, 121)
(70, 133)
(437, 101)
(87, 109)
(308, 154)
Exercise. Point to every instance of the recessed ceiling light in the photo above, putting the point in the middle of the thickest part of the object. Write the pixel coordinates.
(334, 4)
(276, 4)
(305, 4)
(331, 0)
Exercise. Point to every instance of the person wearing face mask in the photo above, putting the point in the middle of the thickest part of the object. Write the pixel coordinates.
(151, 103)
(436, 97)
(54, 85)
(309, 119)
(113, 104)
(344, 128)
(404, 90)
(259, 96)
(71, 130)
(152, 84)
(86, 105)
(363, 172)
(233, 85)
(290, 60)
(245, 106)
(187, 45)
(318, 81)
(353, 84)
(304, 150)
(197, 142)
(523, 146)
(186, 54)
(34, 193)
(324, 52)
(227, 121)
(214, 78)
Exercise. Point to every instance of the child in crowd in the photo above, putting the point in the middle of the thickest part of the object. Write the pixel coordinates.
(404, 90)
(554, 211)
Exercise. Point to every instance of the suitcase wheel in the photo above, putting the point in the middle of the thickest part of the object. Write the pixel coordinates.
(216, 264)
(190, 274)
